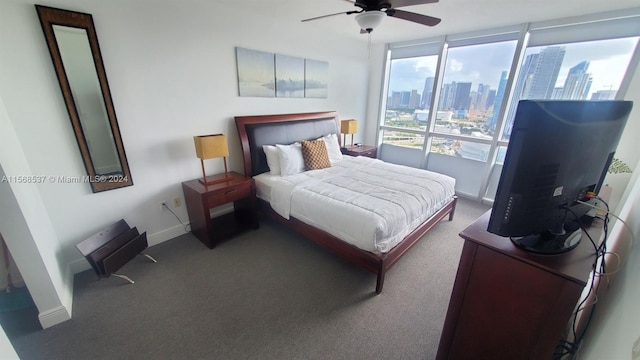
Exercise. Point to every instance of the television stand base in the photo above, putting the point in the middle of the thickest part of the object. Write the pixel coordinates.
(549, 244)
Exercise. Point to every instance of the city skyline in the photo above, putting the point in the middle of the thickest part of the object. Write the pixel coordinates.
(478, 66)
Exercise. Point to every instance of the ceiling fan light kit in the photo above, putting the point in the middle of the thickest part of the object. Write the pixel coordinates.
(372, 12)
(370, 20)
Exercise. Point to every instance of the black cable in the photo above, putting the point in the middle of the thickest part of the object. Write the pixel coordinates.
(573, 346)
(606, 222)
(584, 229)
(602, 266)
(566, 347)
(576, 339)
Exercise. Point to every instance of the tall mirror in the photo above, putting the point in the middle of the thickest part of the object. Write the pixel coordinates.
(73, 45)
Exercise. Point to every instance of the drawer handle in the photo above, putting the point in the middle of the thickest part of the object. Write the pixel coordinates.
(230, 191)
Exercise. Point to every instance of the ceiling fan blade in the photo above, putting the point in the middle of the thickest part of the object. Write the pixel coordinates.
(368, 5)
(401, 3)
(416, 18)
(324, 16)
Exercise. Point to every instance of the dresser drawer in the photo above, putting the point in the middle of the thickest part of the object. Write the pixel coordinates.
(229, 194)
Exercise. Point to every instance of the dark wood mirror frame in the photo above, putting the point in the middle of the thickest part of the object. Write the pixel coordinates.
(48, 18)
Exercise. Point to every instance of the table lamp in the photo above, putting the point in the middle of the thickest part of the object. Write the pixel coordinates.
(348, 127)
(210, 147)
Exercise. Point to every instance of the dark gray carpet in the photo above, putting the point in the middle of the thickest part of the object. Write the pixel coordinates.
(265, 294)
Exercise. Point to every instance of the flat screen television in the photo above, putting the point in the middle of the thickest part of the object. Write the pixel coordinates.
(559, 152)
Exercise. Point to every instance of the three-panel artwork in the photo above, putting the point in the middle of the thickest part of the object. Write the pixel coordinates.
(263, 74)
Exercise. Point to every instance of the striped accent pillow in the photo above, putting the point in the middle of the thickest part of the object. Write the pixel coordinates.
(315, 155)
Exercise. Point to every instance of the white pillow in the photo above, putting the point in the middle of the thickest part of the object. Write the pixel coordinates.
(291, 160)
(333, 148)
(272, 159)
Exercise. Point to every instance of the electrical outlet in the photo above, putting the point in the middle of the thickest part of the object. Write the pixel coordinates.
(177, 202)
(163, 205)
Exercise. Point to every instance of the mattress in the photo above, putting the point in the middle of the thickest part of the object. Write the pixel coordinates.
(366, 202)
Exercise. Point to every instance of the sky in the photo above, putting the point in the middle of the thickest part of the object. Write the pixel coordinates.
(483, 64)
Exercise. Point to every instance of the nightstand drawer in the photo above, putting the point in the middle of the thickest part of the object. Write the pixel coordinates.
(229, 194)
(369, 153)
(361, 150)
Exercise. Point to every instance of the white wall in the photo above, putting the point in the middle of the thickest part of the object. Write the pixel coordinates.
(28, 232)
(6, 349)
(172, 74)
(614, 328)
(627, 149)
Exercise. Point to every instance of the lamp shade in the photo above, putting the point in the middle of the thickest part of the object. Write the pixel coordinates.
(349, 126)
(370, 20)
(211, 146)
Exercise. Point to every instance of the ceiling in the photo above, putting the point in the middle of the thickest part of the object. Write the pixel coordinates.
(458, 16)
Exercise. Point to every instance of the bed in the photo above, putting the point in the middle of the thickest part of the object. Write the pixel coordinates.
(377, 257)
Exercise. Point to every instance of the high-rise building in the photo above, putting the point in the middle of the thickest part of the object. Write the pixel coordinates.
(405, 98)
(447, 94)
(414, 99)
(556, 93)
(462, 93)
(523, 84)
(502, 85)
(427, 92)
(395, 99)
(400, 99)
(537, 79)
(604, 95)
(482, 97)
(490, 98)
(578, 83)
(545, 73)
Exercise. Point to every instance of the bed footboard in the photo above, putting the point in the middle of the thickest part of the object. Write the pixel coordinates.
(374, 263)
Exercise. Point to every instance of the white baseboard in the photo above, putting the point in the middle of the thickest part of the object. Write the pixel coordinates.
(79, 265)
(167, 234)
(54, 316)
(63, 312)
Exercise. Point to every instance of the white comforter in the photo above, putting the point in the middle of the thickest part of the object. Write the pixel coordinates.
(365, 202)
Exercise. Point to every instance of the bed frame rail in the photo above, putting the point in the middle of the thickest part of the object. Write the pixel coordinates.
(257, 130)
(374, 263)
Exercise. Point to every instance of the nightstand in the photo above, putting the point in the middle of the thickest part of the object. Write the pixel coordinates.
(361, 150)
(200, 199)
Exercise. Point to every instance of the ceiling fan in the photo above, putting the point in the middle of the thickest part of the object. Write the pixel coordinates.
(372, 12)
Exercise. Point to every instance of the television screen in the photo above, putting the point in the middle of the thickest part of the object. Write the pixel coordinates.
(559, 152)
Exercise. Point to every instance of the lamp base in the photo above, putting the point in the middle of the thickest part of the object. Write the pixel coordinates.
(215, 179)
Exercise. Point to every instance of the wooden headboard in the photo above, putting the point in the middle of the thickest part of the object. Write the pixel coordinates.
(258, 130)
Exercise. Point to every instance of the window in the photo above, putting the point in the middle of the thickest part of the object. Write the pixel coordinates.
(403, 138)
(591, 70)
(461, 148)
(410, 89)
(450, 101)
(475, 77)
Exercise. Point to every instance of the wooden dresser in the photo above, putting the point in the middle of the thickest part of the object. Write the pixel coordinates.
(510, 304)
